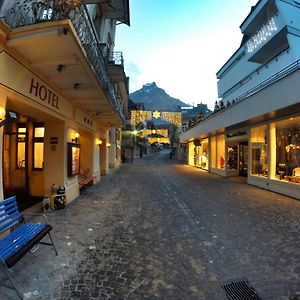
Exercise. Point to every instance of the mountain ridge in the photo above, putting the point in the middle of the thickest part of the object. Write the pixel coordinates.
(156, 98)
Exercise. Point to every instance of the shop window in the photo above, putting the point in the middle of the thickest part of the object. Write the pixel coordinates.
(213, 151)
(259, 151)
(288, 150)
(204, 154)
(232, 157)
(220, 152)
(21, 147)
(38, 147)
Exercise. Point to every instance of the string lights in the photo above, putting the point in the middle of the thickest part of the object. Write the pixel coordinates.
(261, 35)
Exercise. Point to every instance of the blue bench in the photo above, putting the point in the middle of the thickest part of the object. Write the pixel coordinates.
(19, 237)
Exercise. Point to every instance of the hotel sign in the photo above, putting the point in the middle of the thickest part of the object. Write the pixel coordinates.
(43, 93)
(20, 79)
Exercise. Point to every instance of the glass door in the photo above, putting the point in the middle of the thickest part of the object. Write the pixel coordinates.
(243, 159)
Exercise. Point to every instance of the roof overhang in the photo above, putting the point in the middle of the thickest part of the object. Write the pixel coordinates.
(114, 9)
(53, 50)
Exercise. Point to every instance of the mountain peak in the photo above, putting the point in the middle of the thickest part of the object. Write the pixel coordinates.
(149, 86)
(155, 98)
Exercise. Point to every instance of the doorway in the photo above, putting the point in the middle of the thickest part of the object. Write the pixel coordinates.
(15, 163)
(243, 159)
(16, 177)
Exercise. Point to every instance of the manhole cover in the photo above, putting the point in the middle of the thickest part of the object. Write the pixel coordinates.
(240, 290)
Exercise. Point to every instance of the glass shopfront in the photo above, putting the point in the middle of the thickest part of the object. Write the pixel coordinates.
(220, 152)
(259, 151)
(213, 144)
(204, 154)
(201, 154)
(288, 150)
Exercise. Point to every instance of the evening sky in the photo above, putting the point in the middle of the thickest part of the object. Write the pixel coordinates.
(181, 44)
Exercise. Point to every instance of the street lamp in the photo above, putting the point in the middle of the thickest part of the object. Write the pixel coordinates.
(134, 132)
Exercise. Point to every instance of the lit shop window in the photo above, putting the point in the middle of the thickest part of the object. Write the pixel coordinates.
(220, 152)
(21, 146)
(38, 147)
(288, 150)
(232, 157)
(201, 153)
(213, 151)
(259, 151)
(204, 154)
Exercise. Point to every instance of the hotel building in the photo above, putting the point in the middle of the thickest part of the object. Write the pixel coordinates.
(63, 95)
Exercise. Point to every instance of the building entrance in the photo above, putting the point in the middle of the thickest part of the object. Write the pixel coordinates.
(16, 172)
(243, 159)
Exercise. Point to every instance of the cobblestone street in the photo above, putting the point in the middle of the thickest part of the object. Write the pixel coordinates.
(157, 229)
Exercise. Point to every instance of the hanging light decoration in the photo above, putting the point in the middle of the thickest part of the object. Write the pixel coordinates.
(261, 35)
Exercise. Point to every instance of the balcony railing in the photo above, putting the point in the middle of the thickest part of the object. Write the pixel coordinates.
(115, 58)
(29, 13)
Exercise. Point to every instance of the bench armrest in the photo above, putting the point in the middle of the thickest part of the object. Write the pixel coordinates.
(36, 215)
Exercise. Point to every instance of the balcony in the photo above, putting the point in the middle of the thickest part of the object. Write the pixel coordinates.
(116, 9)
(59, 41)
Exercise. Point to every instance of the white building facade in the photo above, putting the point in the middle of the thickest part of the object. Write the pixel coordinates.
(256, 130)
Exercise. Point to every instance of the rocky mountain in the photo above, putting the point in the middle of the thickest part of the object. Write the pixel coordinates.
(155, 98)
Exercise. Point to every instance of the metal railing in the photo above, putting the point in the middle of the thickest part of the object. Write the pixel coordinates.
(29, 13)
(115, 58)
(279, 75)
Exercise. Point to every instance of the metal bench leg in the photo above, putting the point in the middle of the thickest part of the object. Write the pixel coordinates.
(52, 243)
(14, 287)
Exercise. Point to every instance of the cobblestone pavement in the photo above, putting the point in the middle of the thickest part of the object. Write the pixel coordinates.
(157, 229)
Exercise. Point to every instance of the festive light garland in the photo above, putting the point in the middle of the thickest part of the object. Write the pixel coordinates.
(261, 35)
(138, 116)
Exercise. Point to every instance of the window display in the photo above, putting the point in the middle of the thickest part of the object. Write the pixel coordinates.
(220, 152)
(288, 150)
(201, 154)
(204, 155)
(259, 151)
(213, 145)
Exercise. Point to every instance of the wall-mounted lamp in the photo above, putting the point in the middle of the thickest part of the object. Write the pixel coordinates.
(76, 137)
(6, 117)
(98, 142)
(108, 145)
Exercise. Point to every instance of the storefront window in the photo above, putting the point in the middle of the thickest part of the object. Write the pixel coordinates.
(213, 152)
(191, 153)
(38, 146)
(197, 156)
(288, 150)
(259, 151)
(232, 157)
(204, 154)
(220, 152)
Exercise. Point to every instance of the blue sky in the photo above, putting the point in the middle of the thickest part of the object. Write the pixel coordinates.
(181, 44)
